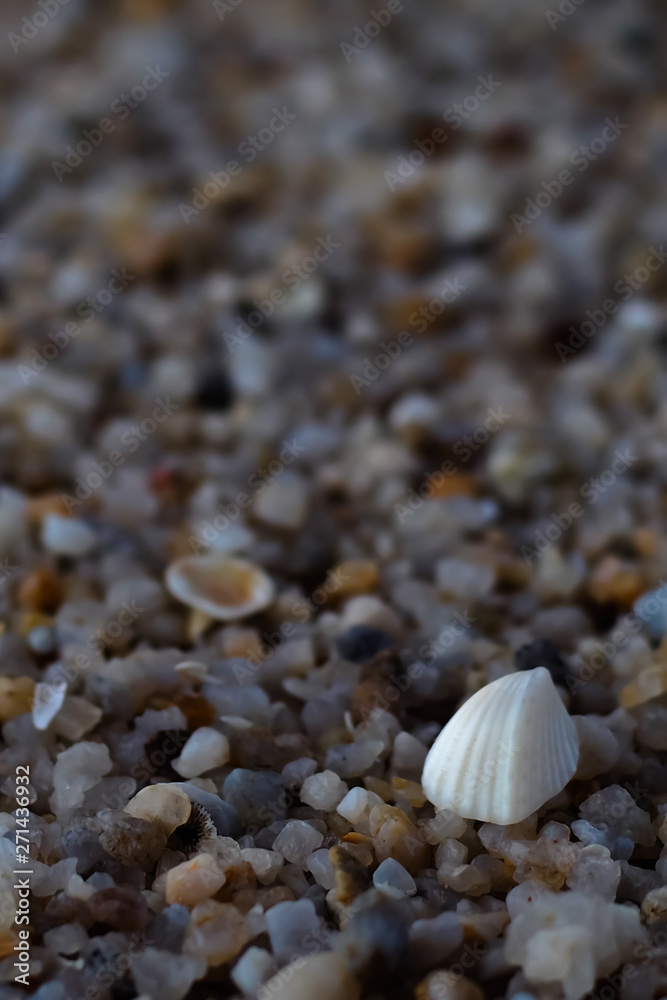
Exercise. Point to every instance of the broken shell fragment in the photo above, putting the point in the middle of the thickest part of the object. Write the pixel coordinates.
(48, 700)
(507, 751)
(225, 589)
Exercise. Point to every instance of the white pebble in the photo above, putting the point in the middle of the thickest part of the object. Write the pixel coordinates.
(408, 753)
(47, 703)
(320, 867)
(265, 864)
(205, 750)
(297, 840)
(167, 804)
(284, 502)
(252, 969)
(67, 536)
(323, 791)
(393, 879)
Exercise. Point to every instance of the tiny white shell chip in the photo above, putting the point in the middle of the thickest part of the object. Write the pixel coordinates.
(48, 701)
(192, 669)
(223, 588)
(507, 751)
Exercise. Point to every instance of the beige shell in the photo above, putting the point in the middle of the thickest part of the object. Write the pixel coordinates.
(507, 750)
(223, 588)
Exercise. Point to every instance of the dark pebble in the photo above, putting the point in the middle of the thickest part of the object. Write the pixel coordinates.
(121, 908)
(375, 941)
(362, 642)
(214, 391)
(542, 653)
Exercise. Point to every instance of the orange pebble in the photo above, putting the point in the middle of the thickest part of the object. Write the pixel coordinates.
(461, 484)
(356, 576)
(48, 503)
(41, 590)
(615, 581)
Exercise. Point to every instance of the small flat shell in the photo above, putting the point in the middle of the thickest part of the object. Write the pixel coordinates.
(225, 589)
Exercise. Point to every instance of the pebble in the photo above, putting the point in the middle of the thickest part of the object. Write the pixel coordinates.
(297, 840)
(320, 867)
(599, 749)
(374, 939)
(433, 940)
(572, 939)
(463, 581)
(649, 684)
(323, 790)
(443, 985)
(265, 864)
(393, 880)
(76, 717)
(296, 771)
(48, 700)
(356, 576)
(159, 973)
(68, 939)
(77, 770)
(292, 927)
(167, 805)
(395, 836)
(205, 750)
(194, 880)
(284, 502)
(223, 815)
(216, 933)
(133, 841)
(408, 753)
(121, 908)
(362, 642)
(350, 760)
(252, 969)
(542, 653)
(41, 591)
(16, 696)
(324, 976)
(257, 796)
(68, 536)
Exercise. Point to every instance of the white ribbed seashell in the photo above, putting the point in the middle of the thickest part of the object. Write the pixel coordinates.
(507, 750)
